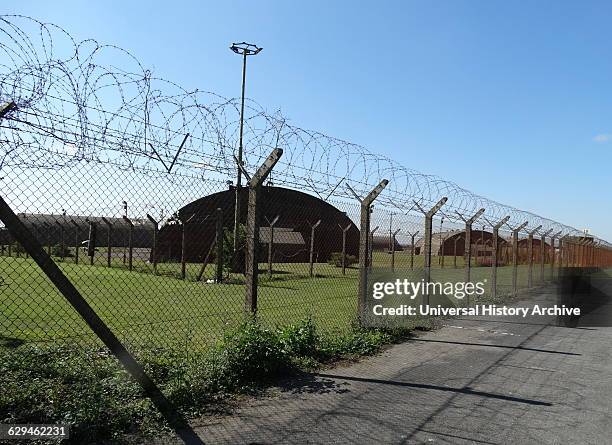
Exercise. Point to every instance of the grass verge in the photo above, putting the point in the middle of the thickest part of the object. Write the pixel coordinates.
(88, 389)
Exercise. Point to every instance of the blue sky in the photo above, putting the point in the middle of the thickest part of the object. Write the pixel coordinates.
(511, 100)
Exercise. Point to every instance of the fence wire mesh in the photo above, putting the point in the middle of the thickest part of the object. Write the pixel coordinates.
(127, 181)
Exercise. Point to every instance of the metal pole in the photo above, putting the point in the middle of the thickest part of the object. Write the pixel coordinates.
(244, 49)
(553, 254)
(496, 228)
(130, 242)
(344, 230)
(109, 240)
(62, 243)
(154, 252)
(543, 254)
(125, 214)
(393, 249)
(252, 230)
(76, 241)
(427, 244)
(364, 235)
(312, 239)
(467, 251)
(515, 233)
(413, 236)
(219, 243)
(91, 244)
(530, 256)
(240, 149)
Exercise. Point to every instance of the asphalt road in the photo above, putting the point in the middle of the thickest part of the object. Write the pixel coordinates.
(487, 381)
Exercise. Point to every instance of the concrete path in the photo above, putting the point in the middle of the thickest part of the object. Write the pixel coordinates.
(492, 381)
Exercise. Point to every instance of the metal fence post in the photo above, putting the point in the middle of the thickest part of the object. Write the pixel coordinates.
(219, 244)
(91, 243)
(76, 241)
(553, 254)
(109, 240)
(393, 235)
(543, 253)
(588, 244)
(515, 233)
(130, 242)
(252, 229)
(412, 237)
(344, 230)
(154, 246)
(467, 253)
(495, 246)
(427, 242)
(530, 256)
(62, 243)
(455, 252)
(364, 235)
(312, 239)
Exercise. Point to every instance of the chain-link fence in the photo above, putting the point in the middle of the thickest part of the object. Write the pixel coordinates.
(126, 183)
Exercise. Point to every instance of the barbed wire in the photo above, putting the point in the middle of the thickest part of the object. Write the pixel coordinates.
(85, 101)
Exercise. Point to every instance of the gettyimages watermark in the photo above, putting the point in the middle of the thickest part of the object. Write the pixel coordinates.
(400, 299)
(458, 290)
(412, 289)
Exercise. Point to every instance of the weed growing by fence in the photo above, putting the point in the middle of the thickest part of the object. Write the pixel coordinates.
(82, 386)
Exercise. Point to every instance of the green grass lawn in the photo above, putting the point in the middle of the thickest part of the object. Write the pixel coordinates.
(164, 310)
(143, 308)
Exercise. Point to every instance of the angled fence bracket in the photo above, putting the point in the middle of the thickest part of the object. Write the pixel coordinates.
(495, 246)
(467, 250)
(364, 235)
(429, 214)
(344, 231)
(252, 229)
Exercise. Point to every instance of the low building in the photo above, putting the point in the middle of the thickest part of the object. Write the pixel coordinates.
(296, 211)
(51, 230)
(382, 243)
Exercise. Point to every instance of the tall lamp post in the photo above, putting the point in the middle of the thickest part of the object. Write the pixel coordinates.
(244, 49)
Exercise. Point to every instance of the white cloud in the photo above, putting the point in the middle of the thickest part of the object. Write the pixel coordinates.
(601, 138)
